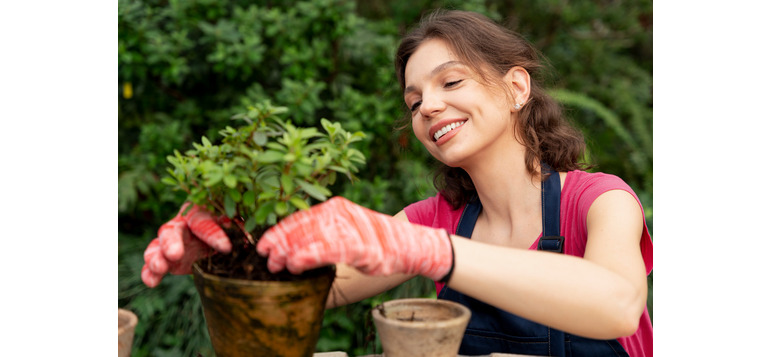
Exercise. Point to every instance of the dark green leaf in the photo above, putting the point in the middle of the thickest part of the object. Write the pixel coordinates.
(198, 196)
(286, 183)
(235, 195)
(249, 198)
(263, 211)
(318, 192)
(250, 224)
(230, 206)
(267, 195)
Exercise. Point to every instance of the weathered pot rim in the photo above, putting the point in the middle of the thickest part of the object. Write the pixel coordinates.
(129, 318)
(245, 282)
(462, 318)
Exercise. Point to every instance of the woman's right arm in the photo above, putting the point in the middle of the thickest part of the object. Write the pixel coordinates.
(352, 286)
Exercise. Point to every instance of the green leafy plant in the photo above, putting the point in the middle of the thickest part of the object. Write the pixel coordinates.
(265, 169)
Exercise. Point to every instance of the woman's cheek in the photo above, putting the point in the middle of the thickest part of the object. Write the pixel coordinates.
(419, 130)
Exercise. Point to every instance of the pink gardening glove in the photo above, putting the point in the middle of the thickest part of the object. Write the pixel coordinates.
(339, 231)
(182, 241)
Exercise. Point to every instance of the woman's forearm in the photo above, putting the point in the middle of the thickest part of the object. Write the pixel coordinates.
(565, 292)
(352, 286)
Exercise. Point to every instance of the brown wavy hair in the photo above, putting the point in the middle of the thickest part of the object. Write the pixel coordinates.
(491, 51)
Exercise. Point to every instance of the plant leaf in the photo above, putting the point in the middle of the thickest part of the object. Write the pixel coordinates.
(260, 138)
(307, 133)
(265, 209)
(169, 181)
(270, 156)
(314, 190)
(299, 202)
(230, 206)
(213, 175)
(235, 195)
(286, 183)
(250, 224)
(248, 198)
(281, 209)
(230, 181)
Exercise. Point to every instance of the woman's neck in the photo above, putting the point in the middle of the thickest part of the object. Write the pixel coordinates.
(505, 187)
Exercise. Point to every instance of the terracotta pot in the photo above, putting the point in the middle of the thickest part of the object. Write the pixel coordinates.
(421, 327)
(127, 321)
(263, 318)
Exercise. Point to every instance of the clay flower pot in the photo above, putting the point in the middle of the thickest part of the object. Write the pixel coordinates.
(263, 318)
(127, 321)
(420, 327)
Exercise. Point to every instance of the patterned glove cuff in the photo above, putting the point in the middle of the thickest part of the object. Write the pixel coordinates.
(452, 262)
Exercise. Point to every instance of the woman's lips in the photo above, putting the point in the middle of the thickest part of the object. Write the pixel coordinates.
(443, 131)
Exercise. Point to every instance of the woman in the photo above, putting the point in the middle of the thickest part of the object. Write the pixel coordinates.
(551, 259)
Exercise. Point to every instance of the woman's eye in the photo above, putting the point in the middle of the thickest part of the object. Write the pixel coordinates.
(453, 83)
(415, 106)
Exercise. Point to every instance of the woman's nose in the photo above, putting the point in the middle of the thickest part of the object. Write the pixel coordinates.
(431, 105)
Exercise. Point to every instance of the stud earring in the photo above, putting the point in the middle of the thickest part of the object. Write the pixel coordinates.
(518, 106)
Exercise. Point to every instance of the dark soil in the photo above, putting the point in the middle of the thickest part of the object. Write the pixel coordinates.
(243, 262)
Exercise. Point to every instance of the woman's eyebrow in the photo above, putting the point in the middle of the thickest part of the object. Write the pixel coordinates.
(434, 72)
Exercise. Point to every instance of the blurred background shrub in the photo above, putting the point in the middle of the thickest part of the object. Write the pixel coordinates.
(186, 66)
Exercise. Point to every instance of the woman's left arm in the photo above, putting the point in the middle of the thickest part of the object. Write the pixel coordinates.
(601, 296)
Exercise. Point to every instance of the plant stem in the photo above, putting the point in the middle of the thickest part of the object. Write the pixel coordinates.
(240, 224)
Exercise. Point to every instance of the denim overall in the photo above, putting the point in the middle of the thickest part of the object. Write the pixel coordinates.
(494, 330)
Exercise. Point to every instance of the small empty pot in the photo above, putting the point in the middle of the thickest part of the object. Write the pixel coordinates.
(127, 321)
(421, 327)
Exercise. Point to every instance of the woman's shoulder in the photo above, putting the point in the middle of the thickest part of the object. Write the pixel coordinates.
(434, 211)
(583, 182)
(580, 176)
(582, 188)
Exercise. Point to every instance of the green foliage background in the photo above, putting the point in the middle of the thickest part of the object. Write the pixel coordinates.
(186, 66)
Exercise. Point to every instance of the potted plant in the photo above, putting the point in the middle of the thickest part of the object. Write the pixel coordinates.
(262, 171)
(421, 327)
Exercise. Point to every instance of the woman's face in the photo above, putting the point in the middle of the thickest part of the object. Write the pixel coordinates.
(457, 118)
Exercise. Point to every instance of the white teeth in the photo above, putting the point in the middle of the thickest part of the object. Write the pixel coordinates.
(445, 129)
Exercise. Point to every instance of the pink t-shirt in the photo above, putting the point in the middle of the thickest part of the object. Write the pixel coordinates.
(577, 195)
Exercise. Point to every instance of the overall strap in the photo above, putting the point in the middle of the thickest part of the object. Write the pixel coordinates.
(551, 240)
(469, 218)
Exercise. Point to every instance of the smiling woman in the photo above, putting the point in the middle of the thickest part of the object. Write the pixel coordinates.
(550, 259)
(488, 55)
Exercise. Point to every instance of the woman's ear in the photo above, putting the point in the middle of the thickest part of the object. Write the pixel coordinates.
(518, 82)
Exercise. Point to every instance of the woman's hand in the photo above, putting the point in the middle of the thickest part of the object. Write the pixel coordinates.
(182, 241)
(339, 231)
